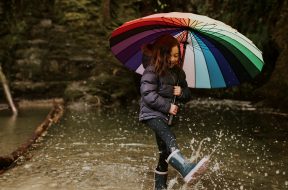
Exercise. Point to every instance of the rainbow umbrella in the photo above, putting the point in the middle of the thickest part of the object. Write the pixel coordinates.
(214, 54)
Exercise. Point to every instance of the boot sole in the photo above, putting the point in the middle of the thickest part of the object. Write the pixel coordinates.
(196, 173)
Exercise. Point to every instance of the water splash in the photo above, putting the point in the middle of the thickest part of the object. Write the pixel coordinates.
(215, 149)
(196, 154)
(172, 183)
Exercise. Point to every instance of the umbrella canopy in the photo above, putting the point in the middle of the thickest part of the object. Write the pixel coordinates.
(214, 54)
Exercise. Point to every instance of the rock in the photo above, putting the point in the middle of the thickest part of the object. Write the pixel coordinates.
(46, 23)
(5, 161)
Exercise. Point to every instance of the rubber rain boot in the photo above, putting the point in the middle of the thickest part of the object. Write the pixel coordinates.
(189, 171)
(160, 180)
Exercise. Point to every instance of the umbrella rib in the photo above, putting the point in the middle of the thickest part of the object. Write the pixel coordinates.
(222, 80)
(173, 21)
(131, 45)
(192, 24)
(193, 47)
(221, 65)
(195, 79)
(236, 65)
(117, 39)
(182, 37)
(184, 47)
(219, 37)
(250, 43)
(194, 61)
(204, 58)
(233, 34)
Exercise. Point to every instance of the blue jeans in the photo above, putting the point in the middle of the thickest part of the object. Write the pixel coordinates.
(166, 141)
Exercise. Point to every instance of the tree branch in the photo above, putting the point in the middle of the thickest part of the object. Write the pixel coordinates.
(7, 92)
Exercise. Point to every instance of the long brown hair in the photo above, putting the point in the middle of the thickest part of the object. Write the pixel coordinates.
(162, 48)
(147, 52)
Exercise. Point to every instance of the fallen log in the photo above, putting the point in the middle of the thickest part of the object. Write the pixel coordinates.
(53, 117)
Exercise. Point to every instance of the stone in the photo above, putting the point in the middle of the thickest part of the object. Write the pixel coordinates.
(46, 23)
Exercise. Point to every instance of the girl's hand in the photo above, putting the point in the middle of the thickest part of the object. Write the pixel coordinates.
(177, 91)
(173, 109)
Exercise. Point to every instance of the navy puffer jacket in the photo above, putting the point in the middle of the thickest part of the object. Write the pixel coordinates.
(157, 92)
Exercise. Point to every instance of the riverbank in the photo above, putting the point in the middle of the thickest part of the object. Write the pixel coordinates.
(25, 103)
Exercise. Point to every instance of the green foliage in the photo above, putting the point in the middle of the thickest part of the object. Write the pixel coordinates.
(161, 5)
(77, 41)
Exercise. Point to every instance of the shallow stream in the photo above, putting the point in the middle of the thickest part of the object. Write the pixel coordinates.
(111, 150)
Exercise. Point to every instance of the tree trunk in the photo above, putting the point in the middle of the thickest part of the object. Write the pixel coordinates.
(106, 11)
(7, 92)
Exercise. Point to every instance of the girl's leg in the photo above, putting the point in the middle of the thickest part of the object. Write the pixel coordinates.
(164, 134)
(188, 170)
(161, 171)
(163, 155)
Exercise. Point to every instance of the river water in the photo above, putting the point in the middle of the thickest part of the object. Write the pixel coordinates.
(111, 150)
(15, 130)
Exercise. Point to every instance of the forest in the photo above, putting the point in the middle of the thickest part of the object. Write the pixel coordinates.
(60, 48)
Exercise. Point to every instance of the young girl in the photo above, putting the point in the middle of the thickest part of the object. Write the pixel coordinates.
(162, 80)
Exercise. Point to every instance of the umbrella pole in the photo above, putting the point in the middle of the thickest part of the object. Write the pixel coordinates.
(174, 98)
(173, 102)
(170, 115)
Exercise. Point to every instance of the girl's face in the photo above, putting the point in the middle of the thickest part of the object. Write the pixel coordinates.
(174, 56)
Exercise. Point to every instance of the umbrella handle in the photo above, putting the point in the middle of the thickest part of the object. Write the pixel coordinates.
(174, 100)
(170, 119)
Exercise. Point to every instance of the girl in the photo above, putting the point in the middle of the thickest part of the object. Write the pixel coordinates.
(163, 79)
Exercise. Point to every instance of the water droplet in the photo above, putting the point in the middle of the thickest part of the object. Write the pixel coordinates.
(86, 168)
(27, 166)
(216, 167)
